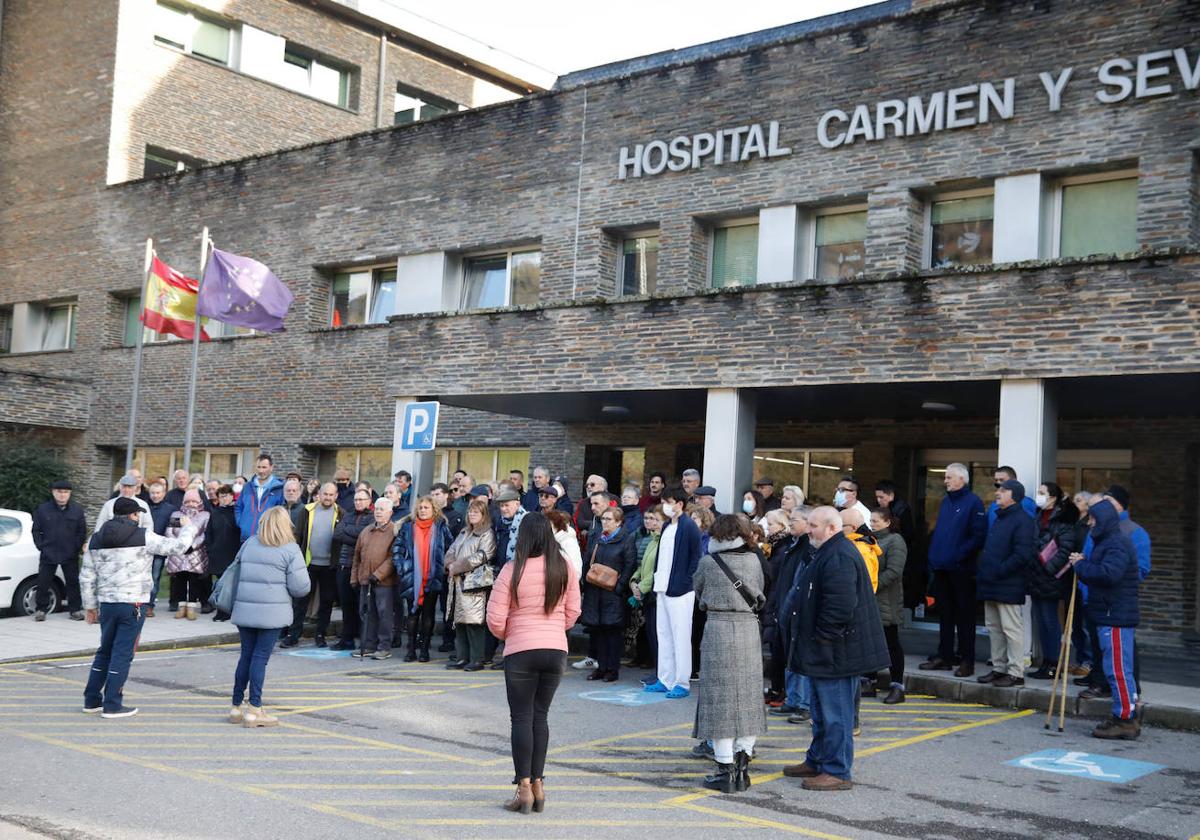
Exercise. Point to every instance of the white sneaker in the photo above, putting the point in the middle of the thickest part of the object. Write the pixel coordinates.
(585, 664)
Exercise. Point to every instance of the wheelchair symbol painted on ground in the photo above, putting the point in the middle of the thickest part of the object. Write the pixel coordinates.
(1100, 768)
(318, 653)
(624, 696)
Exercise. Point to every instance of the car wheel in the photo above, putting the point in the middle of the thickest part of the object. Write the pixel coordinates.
(25, 598)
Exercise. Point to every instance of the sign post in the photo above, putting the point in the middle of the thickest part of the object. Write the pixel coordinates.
(413, 440)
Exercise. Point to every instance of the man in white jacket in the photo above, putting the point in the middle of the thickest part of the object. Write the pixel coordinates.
(115, 582)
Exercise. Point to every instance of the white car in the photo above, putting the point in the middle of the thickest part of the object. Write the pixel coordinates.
(19, 566)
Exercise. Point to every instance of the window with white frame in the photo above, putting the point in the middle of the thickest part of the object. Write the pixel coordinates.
(201, 36)
(839, 238)
(1095, 214)
(959, 229)
(159, 161)
(305, 73)
(133, 322)
(222, 463)
(734, 257)
(373, 464)
(58, 325)
(6, 318)
(362, 296)
(639, 264)
(509, 278)
(483, 464)
(413, 105)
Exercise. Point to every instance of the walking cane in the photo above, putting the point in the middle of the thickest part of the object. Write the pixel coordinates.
(1065, 665)
(364, 610)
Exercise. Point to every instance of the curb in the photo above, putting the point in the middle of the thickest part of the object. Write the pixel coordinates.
(1167, 717)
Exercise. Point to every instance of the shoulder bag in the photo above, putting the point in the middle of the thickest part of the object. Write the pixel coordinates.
(601, 576)
(754, 603)
(224, 593)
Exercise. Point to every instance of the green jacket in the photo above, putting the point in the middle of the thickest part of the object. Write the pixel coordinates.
(644, 576)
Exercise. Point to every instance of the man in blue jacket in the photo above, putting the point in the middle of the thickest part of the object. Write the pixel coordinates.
(264, 491)
(674, 566)
(958, 535)
(1111, 575)
(59, 532)
(1002, 475)
(1001, 585)
(836, 635)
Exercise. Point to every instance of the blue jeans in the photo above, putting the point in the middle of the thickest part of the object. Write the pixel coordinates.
(832, 748)
(120, 626)
(252, 664)
(159, 562)
(798, 688)
(1045, 618)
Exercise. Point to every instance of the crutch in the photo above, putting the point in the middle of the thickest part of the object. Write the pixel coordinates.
(1064, 662)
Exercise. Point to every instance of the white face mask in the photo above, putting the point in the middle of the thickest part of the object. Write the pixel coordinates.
(839, 499)
(748, 506)
(237, 487)
(1041, 501)
(669, 511)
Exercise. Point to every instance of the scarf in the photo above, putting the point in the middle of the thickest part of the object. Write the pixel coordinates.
(422, 536)
(607, 538)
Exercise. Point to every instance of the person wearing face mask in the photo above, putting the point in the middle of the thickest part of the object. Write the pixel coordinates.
(674, 566)
(752, 506)
(1056, 521)
(847, 497)
(345, 489)
(222, 538)
(189, 567)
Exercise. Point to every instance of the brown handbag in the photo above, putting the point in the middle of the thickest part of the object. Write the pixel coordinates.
(599, 575)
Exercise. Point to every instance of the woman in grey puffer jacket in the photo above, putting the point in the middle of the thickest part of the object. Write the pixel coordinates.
(272, 573)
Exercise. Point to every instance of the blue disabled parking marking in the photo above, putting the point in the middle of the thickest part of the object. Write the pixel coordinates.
(319, 653)
(1099, 768)
(624, 696)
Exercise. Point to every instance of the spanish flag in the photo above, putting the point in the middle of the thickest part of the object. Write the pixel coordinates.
(170, 303)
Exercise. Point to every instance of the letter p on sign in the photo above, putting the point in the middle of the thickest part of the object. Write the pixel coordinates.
(419, 432)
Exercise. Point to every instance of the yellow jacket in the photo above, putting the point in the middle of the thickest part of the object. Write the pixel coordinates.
(871, 552)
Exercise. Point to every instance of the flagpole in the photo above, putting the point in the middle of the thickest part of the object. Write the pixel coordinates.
(191, 406)
(137, 358)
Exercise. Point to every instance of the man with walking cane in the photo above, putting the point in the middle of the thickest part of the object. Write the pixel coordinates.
(373, 571)
(1111, 576)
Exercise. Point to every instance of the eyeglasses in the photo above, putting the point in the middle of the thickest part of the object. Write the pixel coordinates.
(997, 484)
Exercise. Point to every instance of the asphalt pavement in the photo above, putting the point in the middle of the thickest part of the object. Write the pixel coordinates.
(409, 749)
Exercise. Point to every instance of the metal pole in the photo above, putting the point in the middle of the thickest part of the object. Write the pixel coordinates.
(191, 408)
(137, 358)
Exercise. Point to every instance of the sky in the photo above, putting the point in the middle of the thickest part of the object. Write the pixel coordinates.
(564, 36)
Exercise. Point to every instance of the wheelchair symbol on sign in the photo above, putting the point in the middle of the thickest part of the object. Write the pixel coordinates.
(1072, 763)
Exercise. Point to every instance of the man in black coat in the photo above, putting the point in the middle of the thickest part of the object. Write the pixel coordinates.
(345, 537)
(59, 532)
(836, 636)
(787, 561)
(160, 513)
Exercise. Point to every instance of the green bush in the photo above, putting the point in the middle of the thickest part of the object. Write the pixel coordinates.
(27, 469)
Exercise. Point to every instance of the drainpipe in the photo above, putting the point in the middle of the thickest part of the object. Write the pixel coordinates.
(379, 100)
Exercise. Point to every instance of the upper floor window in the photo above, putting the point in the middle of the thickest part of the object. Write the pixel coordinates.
(959, 229)
(639, 264)
(839, 243)
(182, 29)
(162, 162)
(412, 105)
(58, 324)
(734, 260)
(6, 316)
(307, 74)
(1097, 214)
(512, 278)
(133, 322)
(362, 296)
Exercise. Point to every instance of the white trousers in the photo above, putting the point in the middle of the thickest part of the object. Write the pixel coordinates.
(674, 619)
(724, 748)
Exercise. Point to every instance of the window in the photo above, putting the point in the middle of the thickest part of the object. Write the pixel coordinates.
(960, 230)
(133, 313)
(183, 30)
(816, 473)
(1096, 215)
(368, 464)
(510, 279)
(639, 264)
(221, 464)
(6, 316)
(317, 78)
(838, 239)
(10, 530)
(159, 161)
(734, 255)
(412, 105)
(58, 327)
(362, 296)
(481, 464)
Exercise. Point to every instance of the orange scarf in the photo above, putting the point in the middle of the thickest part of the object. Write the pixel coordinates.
(422, 535)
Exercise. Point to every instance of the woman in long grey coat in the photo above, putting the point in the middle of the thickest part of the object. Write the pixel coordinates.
(730, 709)
(271, 574)
(468, 565)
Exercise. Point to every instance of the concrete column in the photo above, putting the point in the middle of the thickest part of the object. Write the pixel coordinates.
(729, 424)
(1029, 444)
(778, 244)
(1017, 218)
(419, 464)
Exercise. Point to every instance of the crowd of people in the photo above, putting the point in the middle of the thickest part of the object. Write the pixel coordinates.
(658, 577)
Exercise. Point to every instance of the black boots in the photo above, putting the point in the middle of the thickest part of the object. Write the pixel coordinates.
(741, 762)
(730, 778)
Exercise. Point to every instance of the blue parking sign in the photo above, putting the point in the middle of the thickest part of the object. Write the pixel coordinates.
(1098, 768)
(419, 430)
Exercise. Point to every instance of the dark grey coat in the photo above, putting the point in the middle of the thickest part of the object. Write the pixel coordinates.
(889, 595)
(271, 576)
(730, 703)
